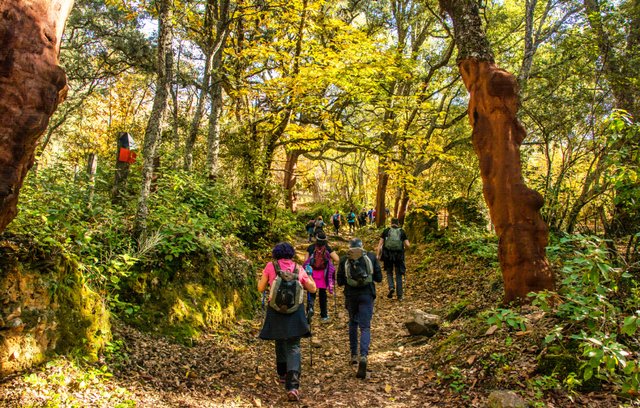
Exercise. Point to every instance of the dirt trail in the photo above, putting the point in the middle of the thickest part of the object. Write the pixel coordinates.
(235, 369)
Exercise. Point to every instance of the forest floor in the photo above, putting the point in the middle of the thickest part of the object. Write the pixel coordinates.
(458, 367)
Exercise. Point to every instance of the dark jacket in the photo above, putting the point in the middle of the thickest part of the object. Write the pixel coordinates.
(355, 291)
(393, 255)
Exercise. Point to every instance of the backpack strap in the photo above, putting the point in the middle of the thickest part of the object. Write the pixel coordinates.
(279, 270)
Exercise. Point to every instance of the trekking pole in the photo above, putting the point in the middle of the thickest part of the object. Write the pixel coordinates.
(309, 302)
(311, 345)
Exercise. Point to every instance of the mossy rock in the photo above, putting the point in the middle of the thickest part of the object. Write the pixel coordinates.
(465, 212)
(421, 224)
(561, 365)
(46, 307)
(83, 319)
(205, 292)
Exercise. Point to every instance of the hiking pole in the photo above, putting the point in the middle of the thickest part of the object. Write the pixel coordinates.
(310, 305)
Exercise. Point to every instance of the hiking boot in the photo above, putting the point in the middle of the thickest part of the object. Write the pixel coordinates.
(354, 359)
(362, 368)
(293, 395)
(324, 319)
(390, 294)
(292, 380)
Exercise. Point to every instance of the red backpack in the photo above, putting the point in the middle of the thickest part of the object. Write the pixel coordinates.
(318, 260)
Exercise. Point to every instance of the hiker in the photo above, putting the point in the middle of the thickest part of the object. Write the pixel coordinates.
(285, 320)
(362, 218)
(370, 215)
(336, 218)
(321, 258)
(391, 246)
(351, 220)
(319, 226)
(357, 272)
(311, 225)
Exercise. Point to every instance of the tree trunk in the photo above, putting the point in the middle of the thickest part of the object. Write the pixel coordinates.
(31, 87)
(381, 192)
(197, 116)
(213, 138)
(290, 178)
(404, 202)
(497, 136)
(154, 126)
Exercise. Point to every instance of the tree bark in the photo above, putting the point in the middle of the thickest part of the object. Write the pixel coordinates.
(154, 125)
(381, 193)
(290, 178)
(31, 87)
(404, 202)
(121, 177)
(497, 136)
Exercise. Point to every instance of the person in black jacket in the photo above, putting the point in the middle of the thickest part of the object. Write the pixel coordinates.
(357, 272)
(391, 247)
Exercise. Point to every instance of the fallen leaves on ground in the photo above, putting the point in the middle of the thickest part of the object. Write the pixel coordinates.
(458, 367)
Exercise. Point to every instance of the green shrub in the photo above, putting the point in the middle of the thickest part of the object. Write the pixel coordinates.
(592, 313)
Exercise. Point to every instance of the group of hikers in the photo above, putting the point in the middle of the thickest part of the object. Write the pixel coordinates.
(362, 219)
(287, 320)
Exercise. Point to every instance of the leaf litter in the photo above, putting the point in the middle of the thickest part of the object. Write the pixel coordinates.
(458, 367)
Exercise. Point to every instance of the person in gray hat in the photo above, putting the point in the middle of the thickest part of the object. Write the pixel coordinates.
(357, 272)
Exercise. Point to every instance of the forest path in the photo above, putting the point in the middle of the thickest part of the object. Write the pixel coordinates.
(236, 369)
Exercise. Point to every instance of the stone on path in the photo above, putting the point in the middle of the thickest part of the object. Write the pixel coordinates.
(423, 324)
(505, 399)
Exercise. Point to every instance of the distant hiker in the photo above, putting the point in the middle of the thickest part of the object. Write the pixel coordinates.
(311, 225)
(336, 218)
(357, 272)
(373, 215)
(319, 226)
(370, 216)
(362, 218)
(321, 258)
(351, 220)
(285, 321)
(391, 246)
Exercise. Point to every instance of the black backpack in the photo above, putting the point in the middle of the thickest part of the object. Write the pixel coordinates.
(359, 271)
(287, 293)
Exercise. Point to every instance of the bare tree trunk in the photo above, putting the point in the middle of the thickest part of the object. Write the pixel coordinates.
(176, 104)
(154, 126)
(31, 87)
(404, 202)
(381, 193)
(197, 116)
(497, 136)
(213, 138)
(221, 13)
